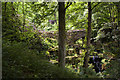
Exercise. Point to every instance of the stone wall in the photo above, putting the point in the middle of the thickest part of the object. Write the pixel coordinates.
(71, 36)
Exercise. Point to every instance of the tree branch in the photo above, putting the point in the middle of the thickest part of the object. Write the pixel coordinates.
(68, 4)
(52, 11)
(95, 5)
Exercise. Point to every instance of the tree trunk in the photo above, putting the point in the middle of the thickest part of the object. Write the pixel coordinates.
(5, 11)
(118, 12)
(62, 35)
(13, 9)
(13, 14)
(23, 17)
(17, 5)
(5, 6)
(119, 15)
(86, 59)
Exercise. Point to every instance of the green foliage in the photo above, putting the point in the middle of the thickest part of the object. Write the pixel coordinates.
(25, 49)
(19, 62)
(10, 21)
(80, 71)
(43, 12)
(90, 73)
(76, 19)
(79, 41)
(37, 42)
(109, 39)
(52, 43)
(112, 71)
(104, 32)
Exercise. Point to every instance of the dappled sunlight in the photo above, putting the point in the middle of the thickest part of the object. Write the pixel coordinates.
(61, 40)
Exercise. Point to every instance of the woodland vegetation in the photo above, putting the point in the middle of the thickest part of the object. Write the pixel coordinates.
(61, 40)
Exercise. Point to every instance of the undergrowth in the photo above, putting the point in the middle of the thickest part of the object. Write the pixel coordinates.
(21, 62)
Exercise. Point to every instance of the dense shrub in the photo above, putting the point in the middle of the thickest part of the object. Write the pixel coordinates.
(21, 62)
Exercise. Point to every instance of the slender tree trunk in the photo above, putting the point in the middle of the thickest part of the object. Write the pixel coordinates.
(23, 16)
(5, 6)
(119, 15)
(86, 59)
(17, 6)
(62, 35)
(5, 10)
(118, 12)
(118, 20)
(110, 14)
(13, 9)
(13, 14)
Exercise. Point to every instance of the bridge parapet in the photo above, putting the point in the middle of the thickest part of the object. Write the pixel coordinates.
(71, 35)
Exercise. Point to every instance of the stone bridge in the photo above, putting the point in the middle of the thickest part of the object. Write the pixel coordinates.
(71, 36)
